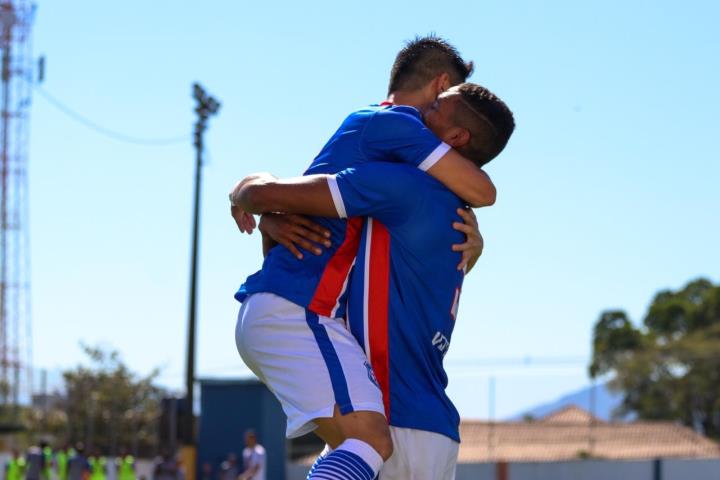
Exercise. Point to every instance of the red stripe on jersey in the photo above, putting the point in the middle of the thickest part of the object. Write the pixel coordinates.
(378, 307)
(332, 282)
(386, 104)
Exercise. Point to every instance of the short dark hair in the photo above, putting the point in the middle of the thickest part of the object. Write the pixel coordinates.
(489, 121)
(423, 59)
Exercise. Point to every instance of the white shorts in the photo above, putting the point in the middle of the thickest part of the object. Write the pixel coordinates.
(420, 455)
(309, 362)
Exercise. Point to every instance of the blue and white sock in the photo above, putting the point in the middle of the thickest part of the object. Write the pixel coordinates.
(326, 451)
(351, 460)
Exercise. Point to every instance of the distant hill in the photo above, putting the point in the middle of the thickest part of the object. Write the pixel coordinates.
(605, 402)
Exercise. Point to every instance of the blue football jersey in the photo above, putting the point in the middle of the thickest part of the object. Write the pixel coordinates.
(405, 287)
(376, 133)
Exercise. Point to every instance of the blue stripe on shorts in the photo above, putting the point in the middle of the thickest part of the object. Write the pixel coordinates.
(337, 377)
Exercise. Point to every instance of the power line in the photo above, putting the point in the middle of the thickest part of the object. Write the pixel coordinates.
(115, 135)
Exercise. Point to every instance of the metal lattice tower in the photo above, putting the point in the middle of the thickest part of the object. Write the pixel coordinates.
(16, 18)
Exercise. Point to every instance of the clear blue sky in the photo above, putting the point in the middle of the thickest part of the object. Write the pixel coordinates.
(608, 190)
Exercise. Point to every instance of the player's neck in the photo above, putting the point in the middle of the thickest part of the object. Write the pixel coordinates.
(416, 99)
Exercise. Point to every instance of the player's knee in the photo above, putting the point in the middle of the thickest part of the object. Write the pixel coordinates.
(384, 446)
(380, 439)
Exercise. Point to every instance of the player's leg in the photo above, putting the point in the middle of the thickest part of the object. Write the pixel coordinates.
(370, 427)
(357, 431)
(363, 435)
(313, 365)
(420, 455)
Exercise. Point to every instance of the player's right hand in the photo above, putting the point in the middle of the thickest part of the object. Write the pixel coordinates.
(295, 232)
(244, 220)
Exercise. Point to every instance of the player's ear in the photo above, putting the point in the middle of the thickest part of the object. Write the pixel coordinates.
(442, 83)
(457, 137)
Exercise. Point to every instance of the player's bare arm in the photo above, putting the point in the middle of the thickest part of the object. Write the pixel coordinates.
(464, 179)
(263, 193)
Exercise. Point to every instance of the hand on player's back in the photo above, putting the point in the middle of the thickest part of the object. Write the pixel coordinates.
(473, 246)
(294, 232)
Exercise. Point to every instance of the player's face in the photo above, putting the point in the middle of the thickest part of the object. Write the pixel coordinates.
(438, 117)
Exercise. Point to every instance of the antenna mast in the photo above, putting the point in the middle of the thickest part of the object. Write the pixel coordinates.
(16, 18)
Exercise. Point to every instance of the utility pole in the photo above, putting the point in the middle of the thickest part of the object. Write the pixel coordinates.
(205, 107)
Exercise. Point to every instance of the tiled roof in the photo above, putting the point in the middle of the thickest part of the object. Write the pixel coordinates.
(561, 439)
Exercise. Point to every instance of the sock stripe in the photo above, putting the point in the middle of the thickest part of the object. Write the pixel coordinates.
(341, 465)
(314, 467)
(356, 461)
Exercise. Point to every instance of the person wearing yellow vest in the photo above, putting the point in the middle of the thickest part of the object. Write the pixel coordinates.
(125, 464)
(47, 462)
(98, 466)
(61, 462)
(15, 467)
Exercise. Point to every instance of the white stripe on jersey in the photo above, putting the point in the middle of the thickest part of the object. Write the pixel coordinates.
(434, 156)
(336, 196)
(366, 280)
(342, 290)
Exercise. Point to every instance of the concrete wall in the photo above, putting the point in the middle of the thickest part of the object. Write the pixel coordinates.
(585, 470)
(297, 472)
(475, 471)
(670, 469)
(675, 469)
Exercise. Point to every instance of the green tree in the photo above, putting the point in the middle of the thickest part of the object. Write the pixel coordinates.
(669, 368)
(108, 406)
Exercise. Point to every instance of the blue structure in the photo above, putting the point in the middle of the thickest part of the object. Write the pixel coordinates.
(227, 409)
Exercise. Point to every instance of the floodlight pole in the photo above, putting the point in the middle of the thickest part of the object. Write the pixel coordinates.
(206, 106)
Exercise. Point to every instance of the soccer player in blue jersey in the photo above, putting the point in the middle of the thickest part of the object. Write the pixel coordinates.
(405, 287)
(270, 328)
(319, 285)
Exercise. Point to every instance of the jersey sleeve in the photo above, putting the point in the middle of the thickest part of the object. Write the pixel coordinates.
(258, 458)
(398, 135)
(381, 190)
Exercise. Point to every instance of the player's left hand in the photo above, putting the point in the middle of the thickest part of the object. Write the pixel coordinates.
(244, 220)
(473, 246)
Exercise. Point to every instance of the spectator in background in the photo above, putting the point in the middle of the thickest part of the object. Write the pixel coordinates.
(125, 464)
(98, 466)
(253, 458)
(167, 467)
(48, 462)
(15, 467)
(35, 462)
(229, 468)
(61, 461)
(78, 467)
